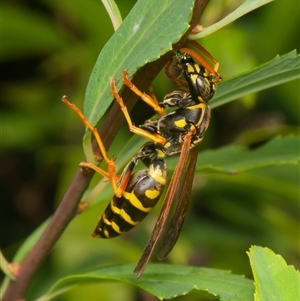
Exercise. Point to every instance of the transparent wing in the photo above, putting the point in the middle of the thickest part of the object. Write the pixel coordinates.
(183, 194)
(171, 192)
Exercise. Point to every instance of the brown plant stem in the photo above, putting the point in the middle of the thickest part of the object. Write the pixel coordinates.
(67, 208)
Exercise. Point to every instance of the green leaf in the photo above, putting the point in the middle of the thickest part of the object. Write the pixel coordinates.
(233, 159)
(168, 281)
(243, 9)
(114, 12)
(4, 266)
(30, 242)
(274, 279)
(144, 36)
(279, 70)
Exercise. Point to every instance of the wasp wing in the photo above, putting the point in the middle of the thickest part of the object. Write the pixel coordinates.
(183, 194)
(172, 190)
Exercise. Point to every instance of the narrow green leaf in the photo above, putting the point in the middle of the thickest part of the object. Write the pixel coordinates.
(169, 281)
(6, 269)
(280, 187)
(243, 9)
(56, 293)
(233, 159)
(4, 266)
(144, 36)
(279, 70)
(274, 279)
(30, 242)
(113, 12)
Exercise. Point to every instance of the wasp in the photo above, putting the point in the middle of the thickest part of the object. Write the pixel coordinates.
(180, 131)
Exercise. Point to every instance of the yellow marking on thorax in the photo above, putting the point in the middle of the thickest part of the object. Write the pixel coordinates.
(160, 153)
(181, 123)
(200, 105)
(197, 141)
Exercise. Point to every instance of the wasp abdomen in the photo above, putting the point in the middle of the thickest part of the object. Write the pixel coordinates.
(140, 196)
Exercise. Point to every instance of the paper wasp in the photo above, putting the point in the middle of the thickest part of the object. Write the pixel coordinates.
(136, 193)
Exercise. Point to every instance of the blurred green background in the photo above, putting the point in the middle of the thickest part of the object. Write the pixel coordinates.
(48, 48)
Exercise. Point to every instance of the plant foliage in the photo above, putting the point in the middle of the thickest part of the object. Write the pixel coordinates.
(249, 193)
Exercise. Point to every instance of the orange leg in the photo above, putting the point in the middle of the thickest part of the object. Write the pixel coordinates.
(111, 173)
(143, 133)
(152, 102)
(176, 79)
(152, 94)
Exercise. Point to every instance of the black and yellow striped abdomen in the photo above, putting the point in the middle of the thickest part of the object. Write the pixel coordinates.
(140, 196)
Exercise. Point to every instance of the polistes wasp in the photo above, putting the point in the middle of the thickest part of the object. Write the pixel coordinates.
(136, 193)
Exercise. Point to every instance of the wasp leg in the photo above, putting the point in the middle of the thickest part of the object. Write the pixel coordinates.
(134, 129)
(179, 81)
(121, 180)
(152, 95)
(150, 101)
(111, 173)
(167, 70)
